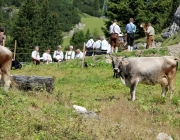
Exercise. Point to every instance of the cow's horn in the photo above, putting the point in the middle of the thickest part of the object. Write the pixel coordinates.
(176, 58)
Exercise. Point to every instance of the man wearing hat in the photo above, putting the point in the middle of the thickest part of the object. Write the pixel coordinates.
(58, 55)
(2, 36)
(114, 40)
(89, 46)
(70, 54)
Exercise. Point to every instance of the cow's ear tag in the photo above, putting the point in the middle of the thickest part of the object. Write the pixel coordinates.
(124, 62)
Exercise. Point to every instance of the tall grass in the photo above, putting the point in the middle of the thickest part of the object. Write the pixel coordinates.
(41, 115)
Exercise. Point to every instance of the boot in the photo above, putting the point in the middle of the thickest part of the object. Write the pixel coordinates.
(129, 48)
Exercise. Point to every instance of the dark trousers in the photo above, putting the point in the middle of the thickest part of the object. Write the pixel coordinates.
(103, 51)
(89, 52)
(130, 40)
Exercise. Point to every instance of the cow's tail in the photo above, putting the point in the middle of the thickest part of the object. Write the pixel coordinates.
(177, 59)
(177, 66)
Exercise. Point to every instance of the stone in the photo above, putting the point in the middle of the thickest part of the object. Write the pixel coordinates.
(163, 136)
(174, 28)
(32, 82)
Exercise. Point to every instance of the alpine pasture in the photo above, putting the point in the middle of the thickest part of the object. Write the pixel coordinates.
(94, 24)
(41, 115)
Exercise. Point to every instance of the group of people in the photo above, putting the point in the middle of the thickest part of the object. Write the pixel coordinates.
(100, 46)
(116, 35)
(58, 55)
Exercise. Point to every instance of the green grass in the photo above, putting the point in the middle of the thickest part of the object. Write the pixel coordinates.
(41, 115)
(91, 23)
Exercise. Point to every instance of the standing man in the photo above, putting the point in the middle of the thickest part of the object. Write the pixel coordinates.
(89, 46)
(35, 56)
(2, 36)
(114, 40)
(150, 35)
(130, 30)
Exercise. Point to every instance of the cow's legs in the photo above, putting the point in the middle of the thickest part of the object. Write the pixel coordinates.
(171, 77)
(172, 87)
(5, 68)
(6, 80)
(133, 90)
(164, 85)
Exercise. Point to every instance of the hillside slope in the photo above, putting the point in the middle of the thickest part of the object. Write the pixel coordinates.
(94, 24)
(41, 115)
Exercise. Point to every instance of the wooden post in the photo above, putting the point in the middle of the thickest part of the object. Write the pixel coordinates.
(83, 56)
(15, 44)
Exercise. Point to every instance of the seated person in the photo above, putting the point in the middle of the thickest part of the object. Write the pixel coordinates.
(47, 57)
(58, 55)
(79, 54)
(35, 56)
(70, 54)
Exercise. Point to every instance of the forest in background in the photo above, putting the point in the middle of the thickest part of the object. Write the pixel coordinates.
(41, 22)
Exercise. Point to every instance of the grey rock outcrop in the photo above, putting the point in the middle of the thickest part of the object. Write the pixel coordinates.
(174, 28)
(32, 82)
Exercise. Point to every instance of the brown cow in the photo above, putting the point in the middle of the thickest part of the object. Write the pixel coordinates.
(147, 70)
(5, 66)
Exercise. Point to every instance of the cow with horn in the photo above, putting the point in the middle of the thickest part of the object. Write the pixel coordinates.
(147, 70)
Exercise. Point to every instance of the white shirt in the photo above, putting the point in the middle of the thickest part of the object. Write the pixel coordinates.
(79, 55)
(97, 44)
(70, 55)
(114, 28)
(150, 30)
(35, 55)
(105, 45)
(89, 44)
(47, 57)
(58, 55)
(109, 49)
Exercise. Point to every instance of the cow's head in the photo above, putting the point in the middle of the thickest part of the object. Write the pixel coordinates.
(118, 63)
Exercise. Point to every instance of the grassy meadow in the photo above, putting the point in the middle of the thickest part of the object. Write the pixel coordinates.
(38, 115)
(94, 24)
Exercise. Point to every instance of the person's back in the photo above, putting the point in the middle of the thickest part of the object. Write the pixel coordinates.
(130, 30)
(2, 36)
(89, 46)
(114, 36)
(105, 46)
